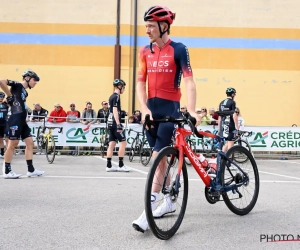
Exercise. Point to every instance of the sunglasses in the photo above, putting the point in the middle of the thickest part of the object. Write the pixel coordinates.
(72, 106)
(104, 103)
(182, 108)
(237, 112)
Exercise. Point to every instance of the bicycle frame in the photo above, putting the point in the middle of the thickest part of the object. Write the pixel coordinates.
(183, 147)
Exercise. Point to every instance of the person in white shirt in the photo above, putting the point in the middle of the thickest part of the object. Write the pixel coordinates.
(241, 120)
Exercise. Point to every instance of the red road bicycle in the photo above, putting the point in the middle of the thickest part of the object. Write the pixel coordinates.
(235, 183)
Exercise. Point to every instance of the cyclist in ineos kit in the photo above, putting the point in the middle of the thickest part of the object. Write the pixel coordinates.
(163, 62)
(17, 125)
(230, 122)
(116, 128)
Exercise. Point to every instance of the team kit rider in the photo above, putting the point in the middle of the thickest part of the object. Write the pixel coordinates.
(163, 62)
(230, 122)
(116, 129)
(17, 125)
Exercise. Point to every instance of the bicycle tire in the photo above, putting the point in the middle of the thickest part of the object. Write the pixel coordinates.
(245, 144)
(159, 233)
(145, 153)
(226, 198)
(50, 149)
(39, 139)
(132, 150)
(103, 142)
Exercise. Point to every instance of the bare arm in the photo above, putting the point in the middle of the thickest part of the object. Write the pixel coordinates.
(236, 122)
(142, 96)
(4, 87)
(191, 93)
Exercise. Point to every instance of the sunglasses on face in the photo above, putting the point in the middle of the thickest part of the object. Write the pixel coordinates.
(182, 108)
(237, 112)
(104, 103)
(72, 106)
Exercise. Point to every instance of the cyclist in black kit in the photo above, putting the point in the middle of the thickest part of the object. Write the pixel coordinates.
(116, 128)
(3, 114)
(230, 123)
(17, 125)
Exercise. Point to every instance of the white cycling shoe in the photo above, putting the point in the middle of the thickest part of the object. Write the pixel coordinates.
(141, 224)
(166, 207)
(35, 173)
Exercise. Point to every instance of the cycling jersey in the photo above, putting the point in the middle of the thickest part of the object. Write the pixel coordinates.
(228, 122)
(20, 94)
(164, 68)
(3, 113)
(114, 101)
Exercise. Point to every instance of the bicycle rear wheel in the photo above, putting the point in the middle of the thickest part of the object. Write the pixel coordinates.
(39, 139)
(50, 149)
(103, 144)
(146, 153)
(242, 200)
(241, 158)
(173, 194)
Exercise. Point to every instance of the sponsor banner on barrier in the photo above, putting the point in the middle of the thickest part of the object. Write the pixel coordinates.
(262, 138)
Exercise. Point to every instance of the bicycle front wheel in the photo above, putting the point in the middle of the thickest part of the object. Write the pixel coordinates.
(50, 149)
(166, 212)
(241, 200)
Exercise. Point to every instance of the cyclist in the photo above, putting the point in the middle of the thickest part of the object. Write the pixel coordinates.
(116, 128)
(230, 123)
(3, 114)
(17, 125)
(163, 63)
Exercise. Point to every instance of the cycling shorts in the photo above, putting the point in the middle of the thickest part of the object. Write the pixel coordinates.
(114, 135)
(160, 108)
(18, 127)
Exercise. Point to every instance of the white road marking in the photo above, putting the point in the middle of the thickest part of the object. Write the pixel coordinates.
(131, 178)
(117, 164)
(281, 175)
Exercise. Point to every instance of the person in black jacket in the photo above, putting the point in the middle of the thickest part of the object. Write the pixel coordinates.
(39, 113)
(103, 113)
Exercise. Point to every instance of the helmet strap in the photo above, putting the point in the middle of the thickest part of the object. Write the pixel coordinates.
(161, 35)
(28, 82)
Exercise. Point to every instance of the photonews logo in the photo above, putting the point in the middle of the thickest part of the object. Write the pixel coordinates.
(77, 135)
(259, 140)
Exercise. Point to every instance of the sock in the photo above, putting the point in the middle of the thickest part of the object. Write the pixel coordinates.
(30, 166)
(121, 163)
(108, 162)
(7, 167)
(2, 151)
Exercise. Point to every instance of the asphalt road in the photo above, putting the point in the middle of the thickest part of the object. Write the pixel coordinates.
(78, 205)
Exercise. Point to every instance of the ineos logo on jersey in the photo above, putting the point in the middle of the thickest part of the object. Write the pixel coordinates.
(158, 64)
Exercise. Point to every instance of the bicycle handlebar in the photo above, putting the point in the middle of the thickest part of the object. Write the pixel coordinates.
(60, 128)
(191, 121)
(244, 133)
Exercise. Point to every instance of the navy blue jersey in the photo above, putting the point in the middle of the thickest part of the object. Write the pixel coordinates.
(20, 94)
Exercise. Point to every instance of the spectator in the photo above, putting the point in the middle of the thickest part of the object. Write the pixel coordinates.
(88, 118)
(122, 115)
(241, 120)
(38, 113)
(56, 116)
(184, 112)
(137, 116)
(205, 118)
(131, 119)
(103, 113)
(73, 116)
(213, 116)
